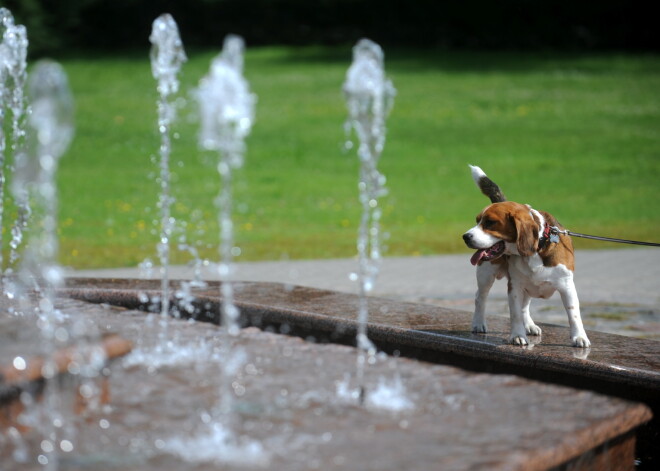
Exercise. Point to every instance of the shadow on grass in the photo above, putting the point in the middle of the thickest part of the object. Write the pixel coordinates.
(477, 61)
(419, 60)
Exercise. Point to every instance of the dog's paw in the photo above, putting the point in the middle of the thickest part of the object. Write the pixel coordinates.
(479, 328)
(520, 340)
(581, 341)
(533, 329)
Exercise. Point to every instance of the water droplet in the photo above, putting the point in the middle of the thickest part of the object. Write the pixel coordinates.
(45, 305)
(61, 334)
(368, 285)
(66, 446)
(47, 446)
(20, 363)
(86, 391)
(223, 168)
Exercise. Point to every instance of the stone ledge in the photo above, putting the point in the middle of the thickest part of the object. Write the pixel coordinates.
(614, 365)
(611, 358)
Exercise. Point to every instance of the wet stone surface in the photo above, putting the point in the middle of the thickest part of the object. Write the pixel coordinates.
(628, 319)
(331, 314)
(293, 408)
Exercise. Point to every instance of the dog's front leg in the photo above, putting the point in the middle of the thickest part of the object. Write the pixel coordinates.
(571, 303)
(486, 274)
(530, 327)
(518, 334)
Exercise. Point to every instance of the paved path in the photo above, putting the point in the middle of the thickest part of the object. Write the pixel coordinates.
(619, 289)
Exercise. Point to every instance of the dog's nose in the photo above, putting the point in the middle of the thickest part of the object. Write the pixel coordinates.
(467, 237)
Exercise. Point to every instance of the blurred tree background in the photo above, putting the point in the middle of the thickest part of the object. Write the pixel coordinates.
(80, 25)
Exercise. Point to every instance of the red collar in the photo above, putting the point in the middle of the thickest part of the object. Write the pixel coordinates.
(550, 236)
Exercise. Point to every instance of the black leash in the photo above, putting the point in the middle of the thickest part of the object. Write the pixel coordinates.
(556, 230)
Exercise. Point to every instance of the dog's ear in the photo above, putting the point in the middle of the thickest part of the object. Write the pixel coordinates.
(527, 234)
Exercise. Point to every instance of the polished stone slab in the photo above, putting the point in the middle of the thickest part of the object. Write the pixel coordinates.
(615, 365)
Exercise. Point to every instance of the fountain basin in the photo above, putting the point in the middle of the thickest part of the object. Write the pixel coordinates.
(288, 401)
(623, 367)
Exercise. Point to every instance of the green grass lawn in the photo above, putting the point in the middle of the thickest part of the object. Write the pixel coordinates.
(575, 135)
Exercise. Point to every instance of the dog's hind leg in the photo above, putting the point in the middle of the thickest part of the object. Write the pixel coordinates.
(486, 275)
(530, 327)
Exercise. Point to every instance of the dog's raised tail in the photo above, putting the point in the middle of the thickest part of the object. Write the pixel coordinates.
(487, 186)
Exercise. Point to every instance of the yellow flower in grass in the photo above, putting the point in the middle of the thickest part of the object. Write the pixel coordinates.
(522, 110)
(124, 206)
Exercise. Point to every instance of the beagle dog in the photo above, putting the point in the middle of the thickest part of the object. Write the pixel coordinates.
(526, 246)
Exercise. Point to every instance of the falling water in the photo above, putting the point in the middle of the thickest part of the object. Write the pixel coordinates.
(51, 123)
(369, 98)
(51, 130)
(167, 56)
(5, 21)
(227, 114)
(13, 73)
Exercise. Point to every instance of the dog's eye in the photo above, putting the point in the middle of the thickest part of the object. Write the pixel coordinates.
(486, 223)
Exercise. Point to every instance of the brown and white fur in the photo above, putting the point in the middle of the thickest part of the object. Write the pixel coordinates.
(509, 238)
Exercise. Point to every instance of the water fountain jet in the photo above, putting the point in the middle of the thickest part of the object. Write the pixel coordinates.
(227, 113)
(369, 98)
(167, 56)
(51, 121)
(13, 74)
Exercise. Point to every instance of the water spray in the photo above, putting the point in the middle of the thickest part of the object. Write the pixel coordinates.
(167, 56)
(13, 74)
(227, 115)
(369, 98)
(51, 131)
